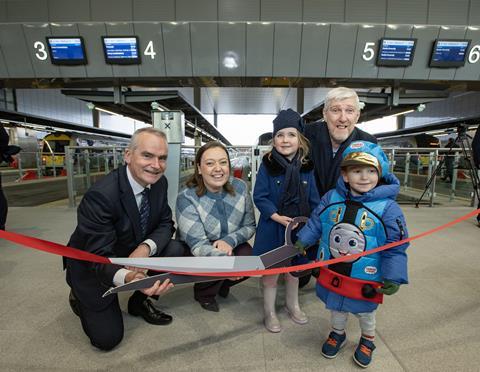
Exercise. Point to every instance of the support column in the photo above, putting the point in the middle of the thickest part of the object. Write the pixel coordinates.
(300, 100)
(96, 118)
(197, 98)
(172, 123)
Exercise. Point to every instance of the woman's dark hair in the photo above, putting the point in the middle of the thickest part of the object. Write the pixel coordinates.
(196, 179)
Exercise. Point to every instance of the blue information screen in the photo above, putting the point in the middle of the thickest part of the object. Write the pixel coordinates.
(396, 52)
(67, 50)
(121, 50)
(449, 53)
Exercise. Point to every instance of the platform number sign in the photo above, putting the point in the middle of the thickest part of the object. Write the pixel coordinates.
(40, 50)
(368, 51)
(149, 51)
(474, 55)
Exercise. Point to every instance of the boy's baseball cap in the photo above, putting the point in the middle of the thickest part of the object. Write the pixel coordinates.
(366, 153)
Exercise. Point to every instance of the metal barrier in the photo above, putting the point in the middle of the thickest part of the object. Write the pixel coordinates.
(415, 166)
(85, 164)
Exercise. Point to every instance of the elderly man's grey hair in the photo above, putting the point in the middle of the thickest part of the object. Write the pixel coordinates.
(134, 140)
(339, 94)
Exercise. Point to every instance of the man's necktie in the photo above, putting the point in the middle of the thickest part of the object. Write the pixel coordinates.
(144, 211)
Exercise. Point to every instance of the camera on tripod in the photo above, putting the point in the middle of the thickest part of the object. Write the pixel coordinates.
(462, 141)
(462, 129)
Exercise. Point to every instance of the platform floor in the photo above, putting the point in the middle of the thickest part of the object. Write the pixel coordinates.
(432, 324)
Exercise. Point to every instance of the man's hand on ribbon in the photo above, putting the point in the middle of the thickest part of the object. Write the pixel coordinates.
(142, 251)
(389, 288)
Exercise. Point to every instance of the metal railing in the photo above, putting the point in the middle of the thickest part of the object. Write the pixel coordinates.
(416, 166)
(83, 165)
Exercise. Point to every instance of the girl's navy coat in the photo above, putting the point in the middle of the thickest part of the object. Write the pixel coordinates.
(266, 194)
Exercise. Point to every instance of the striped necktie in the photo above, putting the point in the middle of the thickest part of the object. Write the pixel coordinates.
(144, 211)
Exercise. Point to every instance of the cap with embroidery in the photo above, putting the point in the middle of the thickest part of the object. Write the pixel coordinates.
(366, 153)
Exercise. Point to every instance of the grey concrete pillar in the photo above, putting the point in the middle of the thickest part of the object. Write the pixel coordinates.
(172, 123)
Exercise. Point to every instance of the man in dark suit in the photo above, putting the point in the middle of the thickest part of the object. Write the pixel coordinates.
(6, 152)
(476, 159)
(329, 138)
(125, 214)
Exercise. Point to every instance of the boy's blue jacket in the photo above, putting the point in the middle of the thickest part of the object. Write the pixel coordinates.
(393, 261)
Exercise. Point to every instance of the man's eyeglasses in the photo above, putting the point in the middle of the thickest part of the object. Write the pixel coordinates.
(338, 111)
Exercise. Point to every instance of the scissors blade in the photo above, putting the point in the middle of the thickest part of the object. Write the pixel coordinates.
(277, 257)
(194, 264)
(150, 281)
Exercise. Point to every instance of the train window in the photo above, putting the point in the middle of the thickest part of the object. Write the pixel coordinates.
(55, 146)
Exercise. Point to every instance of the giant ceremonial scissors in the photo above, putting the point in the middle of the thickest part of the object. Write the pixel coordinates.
(278, 257)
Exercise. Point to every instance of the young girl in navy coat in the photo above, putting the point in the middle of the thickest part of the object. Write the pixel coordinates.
(285, 188)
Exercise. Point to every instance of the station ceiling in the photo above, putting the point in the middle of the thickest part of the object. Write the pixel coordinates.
(137, 105)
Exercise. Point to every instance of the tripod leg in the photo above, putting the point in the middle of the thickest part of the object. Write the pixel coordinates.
(429, 181)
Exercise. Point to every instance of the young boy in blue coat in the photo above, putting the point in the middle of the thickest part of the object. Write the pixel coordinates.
(359, 215)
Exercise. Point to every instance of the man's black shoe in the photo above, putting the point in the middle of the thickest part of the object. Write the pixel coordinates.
(210, 306)
(224, 290)
(72, 300)
(150, 313)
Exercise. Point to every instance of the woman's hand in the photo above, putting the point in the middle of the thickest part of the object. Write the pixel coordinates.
(223, 246)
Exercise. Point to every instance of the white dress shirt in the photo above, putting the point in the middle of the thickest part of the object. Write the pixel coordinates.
(119, 277)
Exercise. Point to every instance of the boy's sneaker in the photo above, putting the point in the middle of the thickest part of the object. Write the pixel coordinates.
(334, 343)
(363, 353)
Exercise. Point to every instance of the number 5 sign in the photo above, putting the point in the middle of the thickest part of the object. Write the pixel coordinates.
(368, 51)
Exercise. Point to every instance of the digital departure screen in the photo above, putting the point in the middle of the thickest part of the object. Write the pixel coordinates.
(121, 50)
(396, 52)
(449, 53)
(67, 50)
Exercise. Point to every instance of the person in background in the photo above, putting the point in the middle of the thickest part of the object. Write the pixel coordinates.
(6, 153)
(476, 159)
(215, 217)
(331, 136)
(284, 188)
(360, 214)
(449, 160)
(125, 214)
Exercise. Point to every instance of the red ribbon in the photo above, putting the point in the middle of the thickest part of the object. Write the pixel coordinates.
(51, 247)
(78, 254)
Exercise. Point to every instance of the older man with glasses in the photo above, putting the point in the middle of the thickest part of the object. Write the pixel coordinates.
(329, 138)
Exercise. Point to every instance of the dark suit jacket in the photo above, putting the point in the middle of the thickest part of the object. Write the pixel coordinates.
(109, 225)
(476, 148)
(327, 167)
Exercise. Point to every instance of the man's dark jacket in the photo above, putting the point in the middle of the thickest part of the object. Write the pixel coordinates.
(109, 225)
(476, 148)
(327, 168)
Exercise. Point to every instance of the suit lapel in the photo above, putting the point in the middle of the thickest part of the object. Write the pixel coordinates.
(128, 202)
